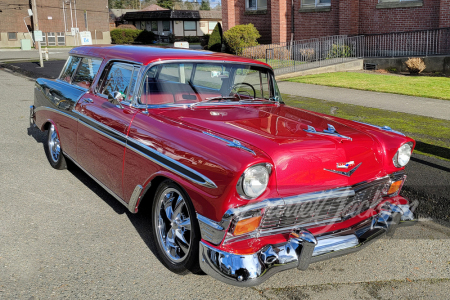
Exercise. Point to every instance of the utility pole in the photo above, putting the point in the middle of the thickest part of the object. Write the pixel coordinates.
(36, 27)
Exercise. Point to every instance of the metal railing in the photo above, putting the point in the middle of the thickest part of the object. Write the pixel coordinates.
(411, 43)
(307, 54)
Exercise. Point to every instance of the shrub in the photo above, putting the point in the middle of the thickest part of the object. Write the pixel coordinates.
(241, 36)
(215, 40)
(415, 65)
(130, 36)
(192, 39)
(205, 40)
(308, 54)
(259, 52)
(339, 51)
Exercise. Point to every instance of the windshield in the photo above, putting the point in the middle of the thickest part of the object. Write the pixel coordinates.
(190, 83)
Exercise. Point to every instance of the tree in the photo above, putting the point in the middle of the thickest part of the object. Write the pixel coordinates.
(166, 3)
(189, 5)
(215, 40)
(205, 5)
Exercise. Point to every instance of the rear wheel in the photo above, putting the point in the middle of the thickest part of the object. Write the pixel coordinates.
(175, 229)
(53, 149)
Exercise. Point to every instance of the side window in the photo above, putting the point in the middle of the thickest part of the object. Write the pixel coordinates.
(118, 80)
(132, 84)
(86, 72)
(70, 67)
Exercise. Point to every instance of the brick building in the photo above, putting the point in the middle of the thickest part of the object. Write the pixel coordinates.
(316, 18)
(56, 18)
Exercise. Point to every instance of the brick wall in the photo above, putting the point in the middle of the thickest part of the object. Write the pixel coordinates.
(383, 20)
(444, 14)
(349, 17)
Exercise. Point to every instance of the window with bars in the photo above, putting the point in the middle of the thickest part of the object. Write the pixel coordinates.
(61, 38)
(51, 39)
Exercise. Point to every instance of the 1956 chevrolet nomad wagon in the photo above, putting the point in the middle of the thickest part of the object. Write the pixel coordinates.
(241, 185)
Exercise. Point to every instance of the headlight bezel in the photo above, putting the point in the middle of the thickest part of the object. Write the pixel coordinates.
(395, 159)
(240, 184)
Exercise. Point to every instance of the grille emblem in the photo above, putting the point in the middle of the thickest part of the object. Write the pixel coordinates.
(348, 174)
(345, 165)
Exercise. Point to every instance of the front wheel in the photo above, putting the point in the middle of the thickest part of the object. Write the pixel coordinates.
(175, 229)
(53, 149)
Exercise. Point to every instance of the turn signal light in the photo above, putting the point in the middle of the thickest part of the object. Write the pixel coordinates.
(247, 225)
(395, 187)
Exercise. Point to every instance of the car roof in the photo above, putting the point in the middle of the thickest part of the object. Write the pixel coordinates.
(150, 54)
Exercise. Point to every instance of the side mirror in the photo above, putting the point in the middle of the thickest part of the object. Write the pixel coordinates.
(116, 98)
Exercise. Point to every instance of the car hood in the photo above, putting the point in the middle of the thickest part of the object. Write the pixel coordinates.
(303, 161)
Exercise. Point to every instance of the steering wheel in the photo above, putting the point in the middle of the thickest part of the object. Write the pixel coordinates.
(234, 88)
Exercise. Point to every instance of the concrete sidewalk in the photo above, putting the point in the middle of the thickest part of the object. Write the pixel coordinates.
(428, 107)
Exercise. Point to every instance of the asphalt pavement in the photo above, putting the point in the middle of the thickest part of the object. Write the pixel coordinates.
(63, 236)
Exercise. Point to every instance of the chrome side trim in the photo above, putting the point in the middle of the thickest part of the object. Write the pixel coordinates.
(386, 128)
(147, 152)
(56, 111)
(299, 251)
(135, 197)
(232, 144)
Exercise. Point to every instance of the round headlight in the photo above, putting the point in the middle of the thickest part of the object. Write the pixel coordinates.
(401, 158)
(254, 181)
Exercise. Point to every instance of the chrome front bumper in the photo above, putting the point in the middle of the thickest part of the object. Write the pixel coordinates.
(301, 249)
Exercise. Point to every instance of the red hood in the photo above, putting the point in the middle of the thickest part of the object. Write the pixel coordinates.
(299, 157)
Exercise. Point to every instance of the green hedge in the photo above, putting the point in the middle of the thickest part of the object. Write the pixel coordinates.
(132, 36)
(241, 36)
(215, 40)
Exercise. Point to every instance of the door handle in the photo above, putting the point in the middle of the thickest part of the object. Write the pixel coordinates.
(88, 100)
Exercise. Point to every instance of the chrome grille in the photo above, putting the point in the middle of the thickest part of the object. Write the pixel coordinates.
(325, 210)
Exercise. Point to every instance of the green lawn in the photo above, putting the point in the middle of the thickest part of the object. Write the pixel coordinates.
(432, 135)
(421, 86)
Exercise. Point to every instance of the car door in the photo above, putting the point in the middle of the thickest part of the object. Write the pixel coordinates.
(103, 125)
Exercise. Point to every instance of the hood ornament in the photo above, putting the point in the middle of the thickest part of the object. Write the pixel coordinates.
(345, 165)
(330, 131)
(232, 144)
(349, 173)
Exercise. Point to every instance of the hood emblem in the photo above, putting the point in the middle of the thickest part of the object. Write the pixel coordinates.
(330, 131)
(345, 165)
(232, 144)
(349, 173)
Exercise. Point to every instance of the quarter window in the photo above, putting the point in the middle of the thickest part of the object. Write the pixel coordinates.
(71, 66)
(86, 72)
(118, 80)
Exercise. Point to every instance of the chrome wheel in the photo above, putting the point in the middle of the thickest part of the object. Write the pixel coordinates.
(173, 225)
(54, 145)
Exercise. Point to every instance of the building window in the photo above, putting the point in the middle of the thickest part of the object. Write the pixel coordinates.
(51, 39)
(394, 1)
(255, 4)
(61, 36)
(154, 25)
(44, 40)
(190, 25)
(315, 3)
(12, 36)
(166, 25)
(212, 25)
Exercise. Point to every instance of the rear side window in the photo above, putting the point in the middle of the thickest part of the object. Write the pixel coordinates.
(86, 72)
(70, 67)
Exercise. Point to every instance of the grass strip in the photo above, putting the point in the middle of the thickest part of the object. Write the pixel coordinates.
(419, 86)
(432, 135)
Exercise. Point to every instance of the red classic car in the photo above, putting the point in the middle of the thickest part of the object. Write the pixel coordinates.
(241, 185)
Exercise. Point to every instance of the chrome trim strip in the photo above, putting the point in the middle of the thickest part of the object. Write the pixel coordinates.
(386, 128)
(56, 111)
(299, 251)
(147, 152)
(137, 194)
(232, 144)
